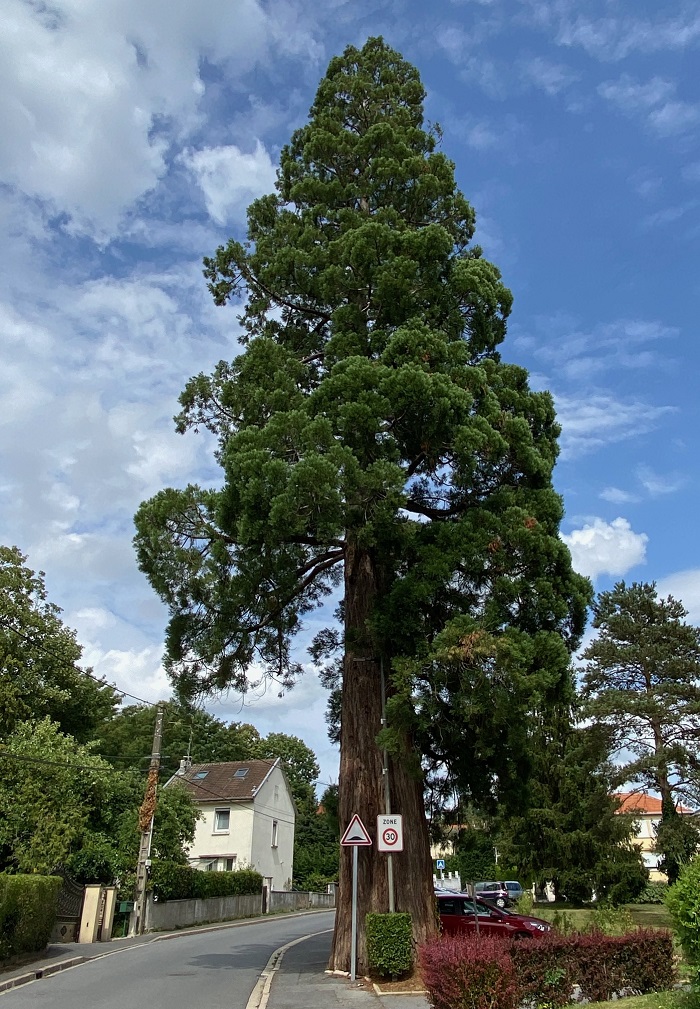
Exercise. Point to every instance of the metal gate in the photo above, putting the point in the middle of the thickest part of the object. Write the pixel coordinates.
(70, 906)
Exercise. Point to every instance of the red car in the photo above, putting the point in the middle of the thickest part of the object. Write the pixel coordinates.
(461, 913)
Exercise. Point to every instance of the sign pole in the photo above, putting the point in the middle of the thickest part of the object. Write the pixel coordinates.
(353, 939)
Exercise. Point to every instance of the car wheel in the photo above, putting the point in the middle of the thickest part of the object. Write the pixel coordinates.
(500, 902)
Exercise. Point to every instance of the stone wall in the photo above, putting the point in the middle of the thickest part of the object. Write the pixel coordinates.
(168, 915)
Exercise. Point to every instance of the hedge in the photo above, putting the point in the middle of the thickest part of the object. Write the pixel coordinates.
(171, 881)
(27, 913)
(389, 943)
(544, 970)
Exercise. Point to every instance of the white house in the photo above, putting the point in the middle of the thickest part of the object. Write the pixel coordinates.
(247, 817)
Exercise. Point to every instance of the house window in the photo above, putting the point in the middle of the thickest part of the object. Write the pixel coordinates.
(201, 774)
(274, 833)
(240, 772)
(222, 821)
(230, 864)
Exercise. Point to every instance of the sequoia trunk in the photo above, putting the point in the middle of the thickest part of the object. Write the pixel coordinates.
(361, 785)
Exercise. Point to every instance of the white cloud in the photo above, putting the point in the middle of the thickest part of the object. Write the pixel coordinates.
(685, 586)
(614, 38)
(230, 179)
(654, 99)
(616, 496)
(92, 97)
(600, 547)
(591, 422)
(657, 484)
(547, 76)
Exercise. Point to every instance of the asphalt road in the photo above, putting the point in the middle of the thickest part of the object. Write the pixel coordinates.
(214, 969)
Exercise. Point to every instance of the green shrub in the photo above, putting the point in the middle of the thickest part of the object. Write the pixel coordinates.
(683, 903)
(171, 881)
(389, 943)
(563, 923)
(27, 913)
(653, 893)
(612, 920)
(525, 903)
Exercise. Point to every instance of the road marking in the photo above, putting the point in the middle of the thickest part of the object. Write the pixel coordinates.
(261, 993)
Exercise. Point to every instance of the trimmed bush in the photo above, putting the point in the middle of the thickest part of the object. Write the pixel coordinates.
(171, 881)
(469, 972)
(389, 943)
(27, 913)
(542, 971)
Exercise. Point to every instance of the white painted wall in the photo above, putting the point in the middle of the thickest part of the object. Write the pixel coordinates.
(273, 803)
(236, 842)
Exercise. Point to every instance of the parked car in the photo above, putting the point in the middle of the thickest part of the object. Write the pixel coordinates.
(497, 892)
(515, 890)
(460, 913)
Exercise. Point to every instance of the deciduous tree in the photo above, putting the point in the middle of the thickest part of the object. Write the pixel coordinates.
(39, 655)
(372, 441)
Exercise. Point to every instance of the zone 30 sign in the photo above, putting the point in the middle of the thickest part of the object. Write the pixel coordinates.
(390, 832)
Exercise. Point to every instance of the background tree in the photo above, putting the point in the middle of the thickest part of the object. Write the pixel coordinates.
(127, 738)
(641, 679)
(39, 655)
(371, 438)
(571, 834)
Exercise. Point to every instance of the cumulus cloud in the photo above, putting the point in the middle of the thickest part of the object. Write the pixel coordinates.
(230, 179)
(91, 98)
(611, 548)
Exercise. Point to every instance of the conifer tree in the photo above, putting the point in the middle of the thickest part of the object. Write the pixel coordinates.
(642, 679)
(372, 441)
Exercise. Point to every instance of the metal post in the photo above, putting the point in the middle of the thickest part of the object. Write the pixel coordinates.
(353, 936)
(387, 793)
(146, 815)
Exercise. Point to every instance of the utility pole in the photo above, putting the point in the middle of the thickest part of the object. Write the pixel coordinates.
(146, 814)
(387, 793)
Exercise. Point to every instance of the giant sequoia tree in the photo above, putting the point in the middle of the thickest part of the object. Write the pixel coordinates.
(372, 441)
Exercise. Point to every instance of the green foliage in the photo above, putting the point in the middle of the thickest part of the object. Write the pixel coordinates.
(612, 920)
(126, 738)
(572, 833)
(653, 893)
(389, 943)
(563, 923)
(683, 902)
(475, 856)
(45, 808)
(677, 840)
(641, 679)
(370, 411)
(525, 903)
(27, 913)
(39, 675)
(174, 881)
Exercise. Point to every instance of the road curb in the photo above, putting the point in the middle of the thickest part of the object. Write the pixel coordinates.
(35, 975)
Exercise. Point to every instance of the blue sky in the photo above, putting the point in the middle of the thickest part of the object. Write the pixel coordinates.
(136, 133)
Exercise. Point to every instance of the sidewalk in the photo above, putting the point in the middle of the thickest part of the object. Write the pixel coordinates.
(300, 983)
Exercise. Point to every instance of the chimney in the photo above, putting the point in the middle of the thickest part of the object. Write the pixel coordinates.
(185, 765)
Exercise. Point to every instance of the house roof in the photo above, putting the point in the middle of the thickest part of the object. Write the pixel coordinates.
(642, 802)
(219, 782)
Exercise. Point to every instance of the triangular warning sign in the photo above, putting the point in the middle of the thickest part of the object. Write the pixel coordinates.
(356, 834)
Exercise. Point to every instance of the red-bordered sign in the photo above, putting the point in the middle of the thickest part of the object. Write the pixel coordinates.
(356, 834)
(390, 832)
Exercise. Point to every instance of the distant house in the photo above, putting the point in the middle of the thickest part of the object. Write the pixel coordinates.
(646, 810)
(247, 817)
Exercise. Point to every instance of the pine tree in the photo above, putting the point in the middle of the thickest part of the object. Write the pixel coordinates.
(642, 678)
(372, 441)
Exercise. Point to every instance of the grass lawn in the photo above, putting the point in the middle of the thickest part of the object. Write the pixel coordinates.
(655, 1000)
(645, 915)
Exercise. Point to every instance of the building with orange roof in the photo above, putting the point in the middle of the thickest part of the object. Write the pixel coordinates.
(646, 810)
